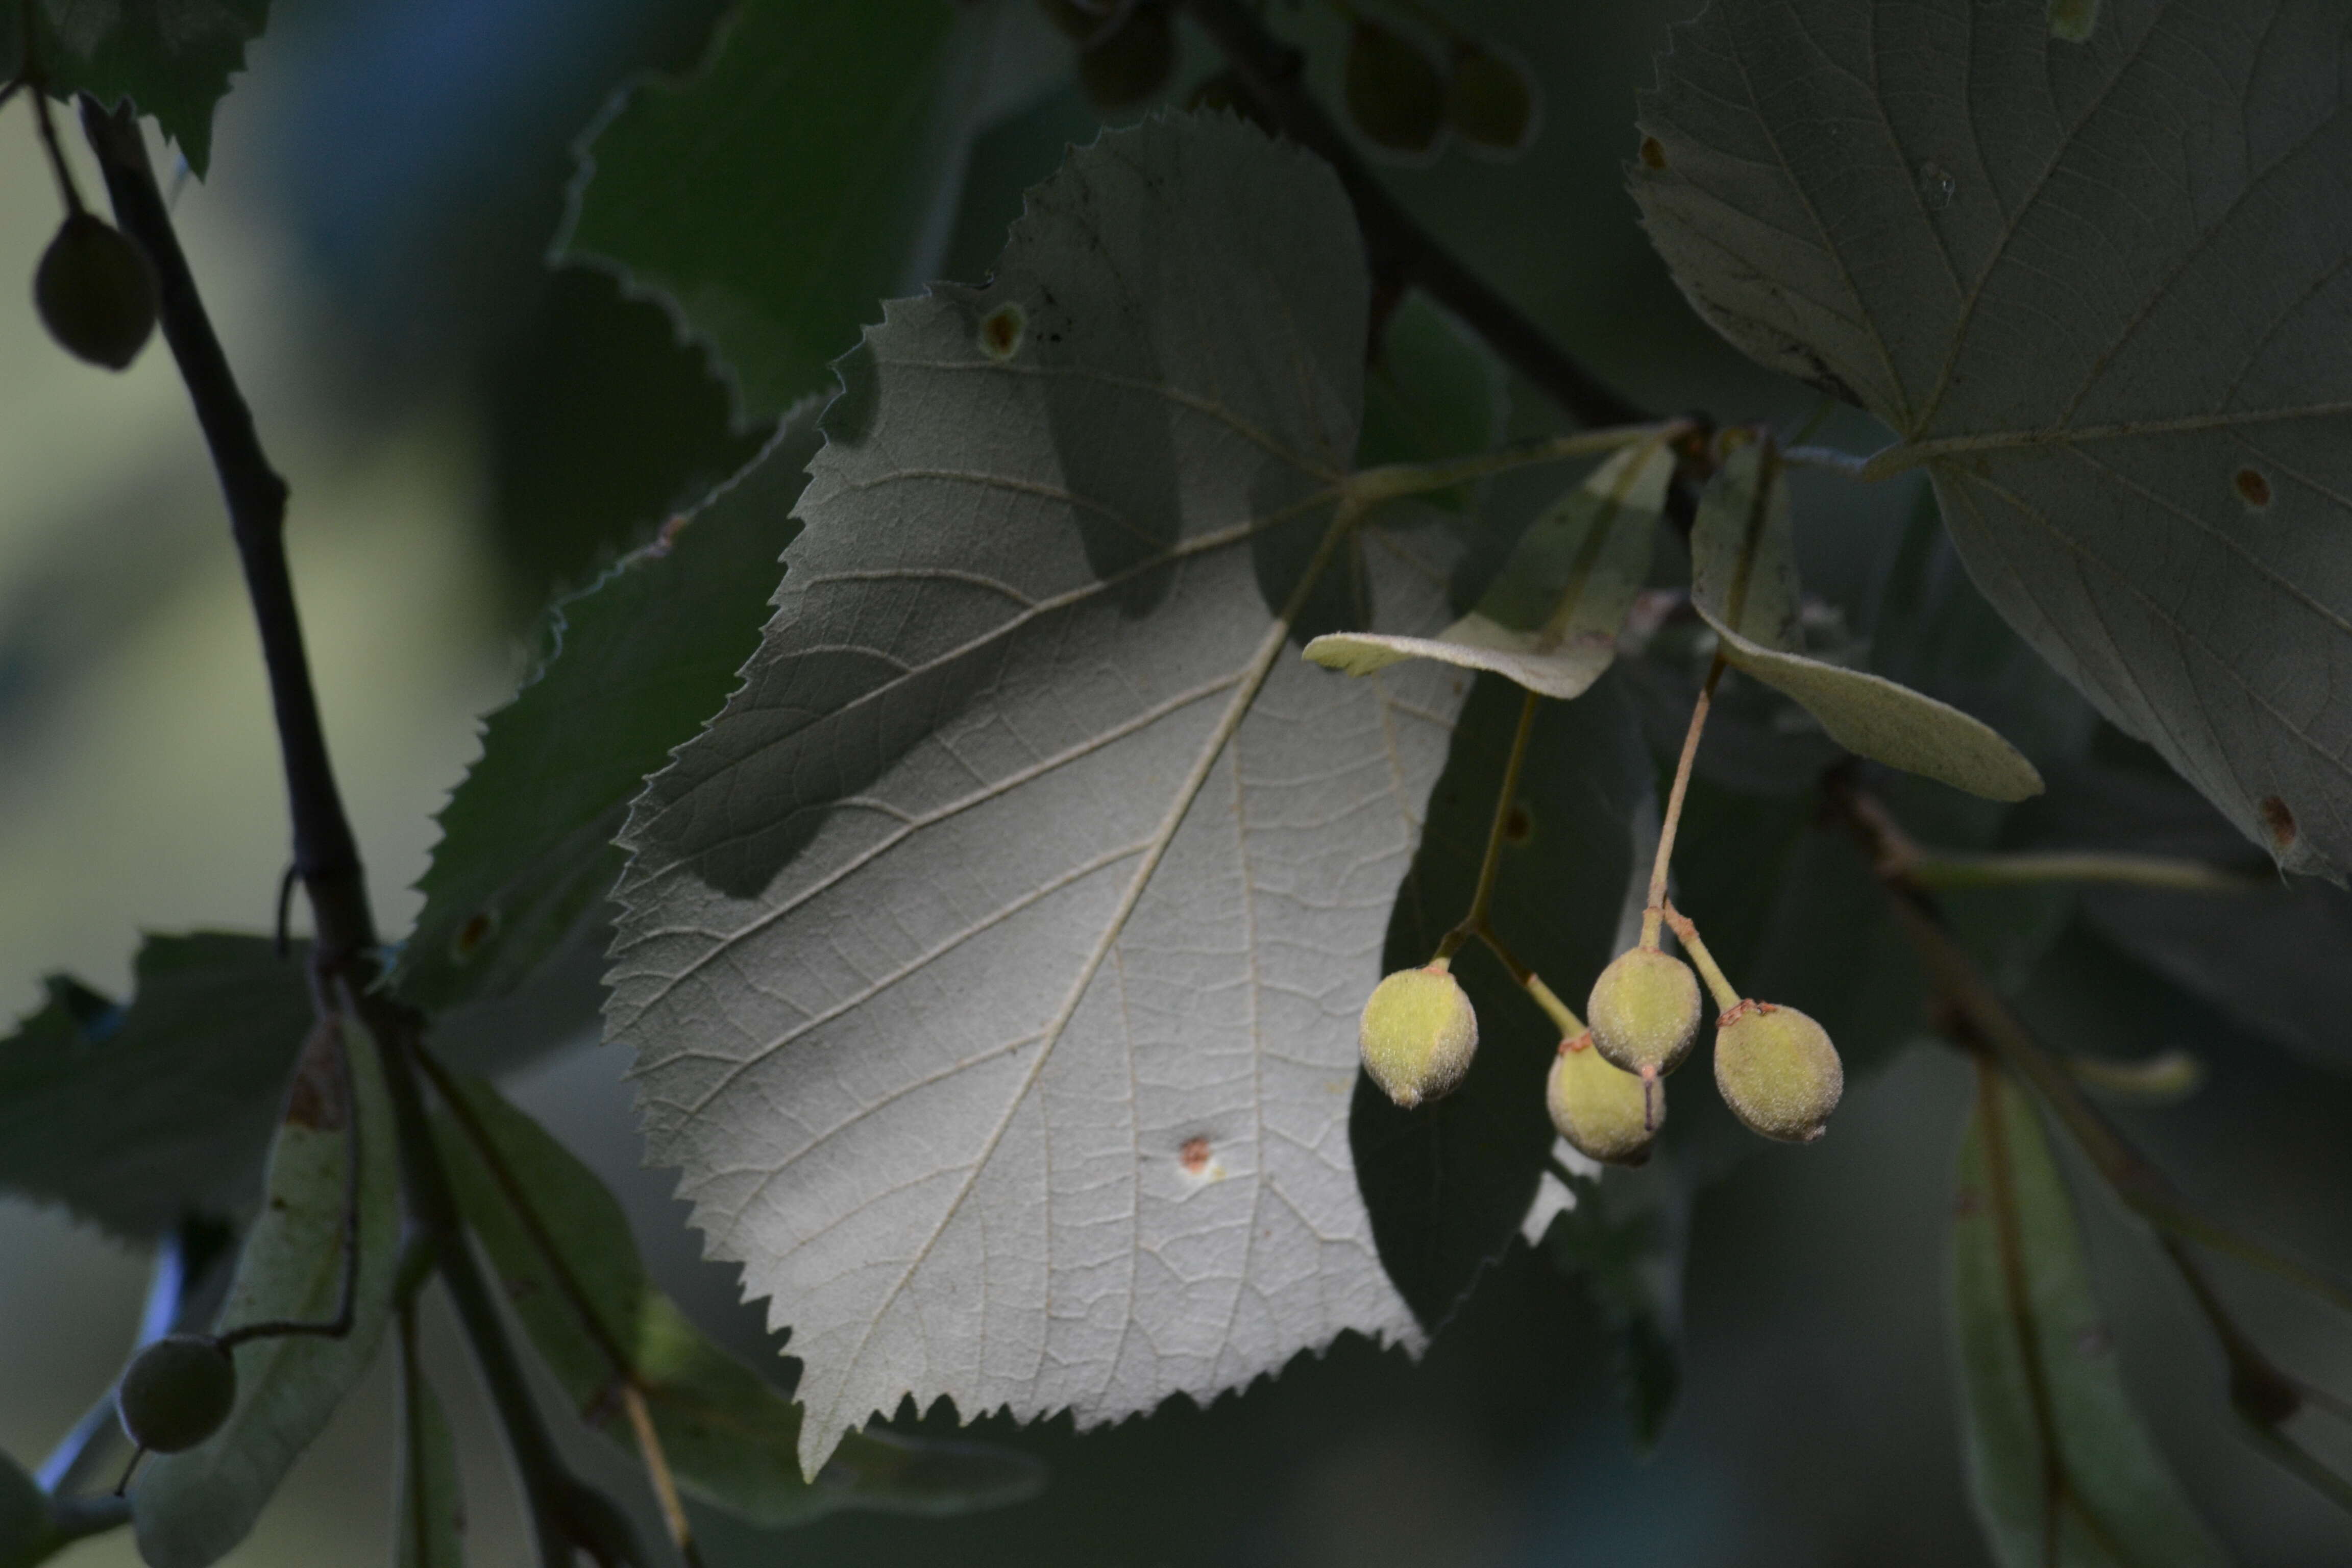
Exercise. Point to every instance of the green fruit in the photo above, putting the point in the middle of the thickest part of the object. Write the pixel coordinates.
(1418, 1034)
(1393, 92)
(1778, 1070)
(176, 1393)
(1489, 101)
(1131, 62)
(96, 292)
(1645, 1011)
(1608, 1114)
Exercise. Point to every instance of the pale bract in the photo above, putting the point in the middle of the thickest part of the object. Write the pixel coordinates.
(1744, 584)
(1551, 620)
(992, 961)
(2098, 289)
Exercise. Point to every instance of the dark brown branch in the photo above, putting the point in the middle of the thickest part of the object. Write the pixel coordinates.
(564, 1513)
(1398, 246)
(326, 856)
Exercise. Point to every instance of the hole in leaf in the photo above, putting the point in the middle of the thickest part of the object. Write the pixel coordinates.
(2253, 487)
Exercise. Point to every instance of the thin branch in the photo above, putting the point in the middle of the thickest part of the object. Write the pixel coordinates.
(1399, 246)
(1978, 1014)
(343, 954)
(325, 853)
(1962, 869)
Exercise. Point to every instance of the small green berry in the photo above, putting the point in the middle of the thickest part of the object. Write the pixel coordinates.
(1418, 1034)
(1778, 1070)
(1607, 1113)
(176, 1393)
(96, 292)
(1645, 1011)
(1393, 92)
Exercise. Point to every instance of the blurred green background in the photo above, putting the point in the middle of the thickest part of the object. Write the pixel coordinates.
(466, 430)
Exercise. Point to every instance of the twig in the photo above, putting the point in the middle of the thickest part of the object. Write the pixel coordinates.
(1397, 243)
(1978, 1014)
(1961, 868)
(326, 854)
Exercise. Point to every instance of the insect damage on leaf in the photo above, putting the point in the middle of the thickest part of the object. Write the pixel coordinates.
(1024, 857)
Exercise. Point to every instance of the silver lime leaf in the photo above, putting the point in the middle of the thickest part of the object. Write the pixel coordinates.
(991, 962)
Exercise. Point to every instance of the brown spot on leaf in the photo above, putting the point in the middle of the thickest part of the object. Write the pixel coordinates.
(1000, 331)
(2253, 486)
(472, 935)
(1653, 153)
(1519, 824)
(1194, 1156)
(2279, 823)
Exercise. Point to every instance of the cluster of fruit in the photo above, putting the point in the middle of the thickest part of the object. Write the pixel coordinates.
(1774, 1065)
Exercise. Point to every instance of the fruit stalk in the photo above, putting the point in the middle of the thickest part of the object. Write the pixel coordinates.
(1474, 922)
(1654, 912)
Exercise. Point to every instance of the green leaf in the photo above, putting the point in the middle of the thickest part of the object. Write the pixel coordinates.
(1450, 1183)
(636, 664)
(2092, 287)
(1744, 582)
(191, 1509)
(1432, 393)
(775, 195)
(2056, 1456)
(1013, 919)
(1551, 620)
(431, 1529)
(173, 58)
(132, 1117)
(730, 1439)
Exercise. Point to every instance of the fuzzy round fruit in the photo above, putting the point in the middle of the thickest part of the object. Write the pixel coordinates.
(1645, 1011)
(1392, 89)
(176, 1393)
(1778, 1070)
(1609, 1114)
(96, 292)
(1418, 1034)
